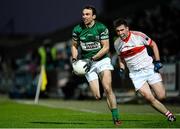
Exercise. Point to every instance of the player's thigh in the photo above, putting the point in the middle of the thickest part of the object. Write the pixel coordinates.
(159, 90)
(106, 79)
(145, 91)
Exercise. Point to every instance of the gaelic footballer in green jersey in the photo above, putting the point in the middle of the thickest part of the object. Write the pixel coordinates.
(92, 38)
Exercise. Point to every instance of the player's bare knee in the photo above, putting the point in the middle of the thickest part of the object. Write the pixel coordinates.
(98, 97)
(107, 91)
(161, 97)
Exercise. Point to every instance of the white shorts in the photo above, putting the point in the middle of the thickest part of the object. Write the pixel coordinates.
(97, 67)
(144, 75)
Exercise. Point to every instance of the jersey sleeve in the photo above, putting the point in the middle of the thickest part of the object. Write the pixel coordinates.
(146, 40)
(143, 37)
(104, 32)
(75, 33)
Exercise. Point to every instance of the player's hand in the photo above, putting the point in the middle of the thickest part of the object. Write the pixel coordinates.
(121, 72)
(89, 64)
(157, 65)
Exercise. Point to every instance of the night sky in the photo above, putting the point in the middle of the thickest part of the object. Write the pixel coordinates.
(36, 17)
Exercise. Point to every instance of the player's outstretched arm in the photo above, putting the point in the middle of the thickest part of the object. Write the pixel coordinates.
(155, 50)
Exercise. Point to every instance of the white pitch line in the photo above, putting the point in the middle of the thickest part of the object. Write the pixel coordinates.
(55, 106)
(72, 108)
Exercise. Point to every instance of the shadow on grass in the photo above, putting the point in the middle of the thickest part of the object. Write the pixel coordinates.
(125, 120)
(42, 122)
(80, 123)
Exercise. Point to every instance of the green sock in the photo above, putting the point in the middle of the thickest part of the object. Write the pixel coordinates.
(115, 114)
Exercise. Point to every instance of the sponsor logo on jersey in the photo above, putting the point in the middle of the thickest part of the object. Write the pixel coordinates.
(90, 46)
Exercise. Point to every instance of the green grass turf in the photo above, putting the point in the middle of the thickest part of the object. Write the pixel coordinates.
(19, 115)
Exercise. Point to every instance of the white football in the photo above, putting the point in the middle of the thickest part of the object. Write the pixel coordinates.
(78, 67)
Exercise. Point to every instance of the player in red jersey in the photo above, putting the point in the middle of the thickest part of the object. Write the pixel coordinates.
(131, 49)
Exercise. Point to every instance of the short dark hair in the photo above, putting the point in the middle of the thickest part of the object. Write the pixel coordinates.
(91, 8)
(120, 21)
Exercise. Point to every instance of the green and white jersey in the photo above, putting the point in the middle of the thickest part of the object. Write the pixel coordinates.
(89, 38)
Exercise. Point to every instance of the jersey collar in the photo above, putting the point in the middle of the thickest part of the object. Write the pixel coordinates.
(127, 39)
(93, 23)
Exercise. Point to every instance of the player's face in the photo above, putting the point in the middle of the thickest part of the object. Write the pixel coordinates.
(88, 17)
(122, 31)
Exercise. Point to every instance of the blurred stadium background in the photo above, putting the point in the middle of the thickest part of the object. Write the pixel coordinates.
(27, 25)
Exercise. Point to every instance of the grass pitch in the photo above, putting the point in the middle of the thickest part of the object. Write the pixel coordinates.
(79, 114)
